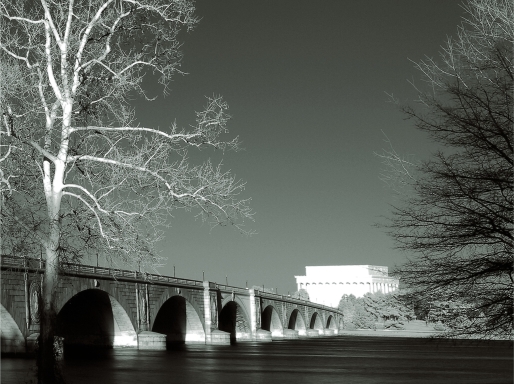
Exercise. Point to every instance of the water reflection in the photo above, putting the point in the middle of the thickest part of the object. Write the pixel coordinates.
(324, 360)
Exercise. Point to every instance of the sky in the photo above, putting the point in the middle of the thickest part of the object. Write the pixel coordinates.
(306, 83)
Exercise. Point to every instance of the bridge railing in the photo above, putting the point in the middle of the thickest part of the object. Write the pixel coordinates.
(38, 265)
(270, 295)
(23, 263)
(230, 288)
(123, 273)
(273, 295)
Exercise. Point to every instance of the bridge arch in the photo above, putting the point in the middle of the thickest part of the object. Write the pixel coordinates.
(332, 323)
(234, 320)
(297, 322)
(11, 338)
(169, 292)
(70, 287)
(316, 322)
(179, 321)
(93, 318)
(270, 321)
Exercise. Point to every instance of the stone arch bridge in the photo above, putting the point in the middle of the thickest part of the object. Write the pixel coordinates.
(118, 308)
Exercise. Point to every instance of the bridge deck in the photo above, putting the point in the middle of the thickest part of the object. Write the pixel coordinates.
(82, 270)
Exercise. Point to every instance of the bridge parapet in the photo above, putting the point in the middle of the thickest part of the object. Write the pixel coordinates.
(269, 295)
(72, 269)
(209, 310)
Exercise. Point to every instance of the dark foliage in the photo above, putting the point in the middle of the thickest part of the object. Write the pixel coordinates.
(458, 221)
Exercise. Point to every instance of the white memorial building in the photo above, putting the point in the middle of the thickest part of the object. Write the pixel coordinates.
(327, 284)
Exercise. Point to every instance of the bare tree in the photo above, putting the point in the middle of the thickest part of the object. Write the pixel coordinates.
(456, 218)
(301, 294)
(77, 175)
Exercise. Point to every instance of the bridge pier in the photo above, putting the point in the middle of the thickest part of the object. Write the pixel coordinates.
(277, 334)
(263, 335)
(312, 333)
(151, 340)
(207, 312)
(291, 334)
(219, 337)
(211, 318)
(253, 320)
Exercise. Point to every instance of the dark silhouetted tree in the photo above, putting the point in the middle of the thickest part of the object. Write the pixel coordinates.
(456, 215)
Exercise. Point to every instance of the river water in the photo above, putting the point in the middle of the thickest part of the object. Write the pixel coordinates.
(340, 359)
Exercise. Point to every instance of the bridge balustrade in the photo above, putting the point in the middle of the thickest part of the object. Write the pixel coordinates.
(138, 297)
(37, 265)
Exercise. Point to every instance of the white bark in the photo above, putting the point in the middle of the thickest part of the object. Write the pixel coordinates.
(69, 67)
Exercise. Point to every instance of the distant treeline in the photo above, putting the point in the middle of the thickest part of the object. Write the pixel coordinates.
(392, 310)
(375, 310)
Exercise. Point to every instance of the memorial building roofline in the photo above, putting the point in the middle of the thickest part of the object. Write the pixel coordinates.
(346, 265)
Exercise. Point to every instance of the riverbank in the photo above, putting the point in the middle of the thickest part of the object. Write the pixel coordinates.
(415, 328)
(387, 333)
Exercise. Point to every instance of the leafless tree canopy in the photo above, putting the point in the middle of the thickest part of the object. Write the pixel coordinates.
(72, 157)
(78, 177)
(457, 218)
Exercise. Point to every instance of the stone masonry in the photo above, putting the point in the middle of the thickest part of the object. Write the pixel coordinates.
(136, 305)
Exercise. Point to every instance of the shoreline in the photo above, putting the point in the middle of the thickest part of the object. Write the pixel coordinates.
(389, 333)
(413, 328)
(414, 334)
